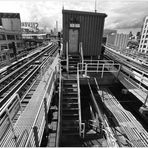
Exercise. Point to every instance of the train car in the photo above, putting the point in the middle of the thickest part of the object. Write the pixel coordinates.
(83, 29)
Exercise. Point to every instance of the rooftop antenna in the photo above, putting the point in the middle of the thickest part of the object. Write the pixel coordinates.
(62, 5)
(95, 6)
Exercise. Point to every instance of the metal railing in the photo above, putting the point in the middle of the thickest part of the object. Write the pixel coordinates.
(14, 105)
(81, 52)
(81, 131)
(35, 135)
(67, 57)
(59, 110)
(136, 76)
(98, 66)
(99, 61)
(7, 114)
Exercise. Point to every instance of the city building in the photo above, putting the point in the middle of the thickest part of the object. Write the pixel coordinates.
(32, 35)
(143, 46)
(115, 40)
(110, 36)
(11, 44)
(121, 41)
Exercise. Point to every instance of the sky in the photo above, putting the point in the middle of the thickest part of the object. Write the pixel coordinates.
(121, 14)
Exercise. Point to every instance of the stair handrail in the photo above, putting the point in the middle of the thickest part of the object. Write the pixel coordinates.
(59, 109)
(79, 102)
(101, 119)
(67, 58)
(81, 52)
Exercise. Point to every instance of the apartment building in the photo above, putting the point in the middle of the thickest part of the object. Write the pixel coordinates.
(10, 37)
(143, 46)
(121, 41)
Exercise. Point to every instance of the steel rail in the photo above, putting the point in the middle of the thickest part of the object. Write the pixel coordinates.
(30, 78)
(4, 100)
(37, 55)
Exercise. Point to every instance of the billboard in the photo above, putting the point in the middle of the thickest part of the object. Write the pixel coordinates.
(32, 26)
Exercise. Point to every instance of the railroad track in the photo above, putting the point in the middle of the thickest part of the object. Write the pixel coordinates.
(13, 83)
(126, 61)
(25, 88)
(8, 77)
(10, 88)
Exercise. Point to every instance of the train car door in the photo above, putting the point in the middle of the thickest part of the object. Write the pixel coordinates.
(73, 41)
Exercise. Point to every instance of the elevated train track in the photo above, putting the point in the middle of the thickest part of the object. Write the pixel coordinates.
(16, 95)
(124, 60)
(133, 70)
(11, 82)
(17, 64)
(119, 115)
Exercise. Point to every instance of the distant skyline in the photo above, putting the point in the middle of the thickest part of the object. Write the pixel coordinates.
(121, 14)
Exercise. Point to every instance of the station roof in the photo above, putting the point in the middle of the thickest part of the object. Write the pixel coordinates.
(10, 15)
(84, 13)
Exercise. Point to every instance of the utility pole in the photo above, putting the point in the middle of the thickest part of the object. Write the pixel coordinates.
(95, 6)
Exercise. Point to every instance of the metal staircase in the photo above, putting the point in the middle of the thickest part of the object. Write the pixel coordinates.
(73, 61)
(70, 111)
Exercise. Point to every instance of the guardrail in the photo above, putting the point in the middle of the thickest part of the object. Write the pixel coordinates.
(81, 51)
(36, 54)
(67, 57)
(59, 110)
(136, 76)
(99, 61)
(7, 115)
(98, 66)
(35, 135)
(81, 125)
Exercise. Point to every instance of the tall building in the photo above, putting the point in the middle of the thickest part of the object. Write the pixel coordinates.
(121, 41)
(115, 40)
(57, 26)
(10, 37)
(110, 36)
(143, 46)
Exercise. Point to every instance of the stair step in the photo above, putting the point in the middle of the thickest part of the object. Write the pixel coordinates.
(70, 111)
(69, 106)
(70, 123)
(70, 81)
(72, 72)
(70, 95)
(70, 92)
(72, 68)
(67, 89)
(72, 85)
(70, 103)
(70, 114)
(70, 130)
(70, 100)
(73, 62)
(74, 56)
(66, 117)
(71, 134)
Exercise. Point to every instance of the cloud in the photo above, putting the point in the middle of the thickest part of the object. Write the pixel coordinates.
(121, 13)
(126, 14)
